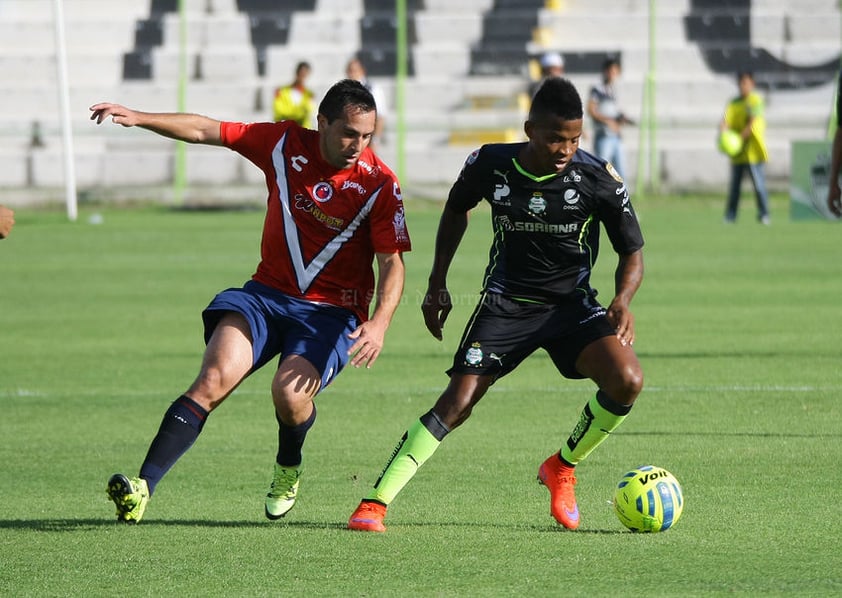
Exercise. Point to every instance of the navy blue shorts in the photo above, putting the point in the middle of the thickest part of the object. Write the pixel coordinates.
(502, 332)
(283, 325)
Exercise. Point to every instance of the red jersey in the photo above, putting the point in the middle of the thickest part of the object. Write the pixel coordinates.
(323, 225)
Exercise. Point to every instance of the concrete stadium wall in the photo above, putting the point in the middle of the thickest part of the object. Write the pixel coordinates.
(448, 111)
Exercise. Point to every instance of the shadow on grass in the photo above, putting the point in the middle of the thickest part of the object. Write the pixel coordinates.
(815, 436)
(748, 352)
(526, 527)
(77, 525)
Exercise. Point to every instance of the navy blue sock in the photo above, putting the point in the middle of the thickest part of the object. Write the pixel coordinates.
(291, 439)
(179, 429)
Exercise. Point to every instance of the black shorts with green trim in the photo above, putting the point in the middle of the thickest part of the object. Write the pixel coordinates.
(502, 332)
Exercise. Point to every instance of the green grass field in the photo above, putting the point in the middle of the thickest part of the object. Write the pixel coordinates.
(738, 332)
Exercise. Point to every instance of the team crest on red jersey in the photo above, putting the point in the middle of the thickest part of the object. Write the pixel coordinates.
(322, 192)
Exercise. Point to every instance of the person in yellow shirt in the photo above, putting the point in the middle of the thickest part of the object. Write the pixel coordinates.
(295, 101)
(745, 115)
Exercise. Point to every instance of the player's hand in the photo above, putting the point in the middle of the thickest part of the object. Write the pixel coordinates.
(621, 317)
(369, 336)
(120, 115)
(834, 203)
(436, 307)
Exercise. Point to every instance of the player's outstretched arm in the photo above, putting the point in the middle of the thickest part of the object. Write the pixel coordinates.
(192, 128)
(627, 279)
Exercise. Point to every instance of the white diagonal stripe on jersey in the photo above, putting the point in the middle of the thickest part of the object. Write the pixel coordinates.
(305, 275)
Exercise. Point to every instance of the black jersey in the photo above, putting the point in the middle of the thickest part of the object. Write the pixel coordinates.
(547, 228)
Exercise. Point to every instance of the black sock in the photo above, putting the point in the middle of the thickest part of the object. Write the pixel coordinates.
(179, 429)
(434, 424)
(291, 439)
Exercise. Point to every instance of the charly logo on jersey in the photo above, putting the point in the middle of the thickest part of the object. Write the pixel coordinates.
(297, 161)
(537, 203)
(322, 191)
(613, 172)
(473, 356)
(501, 189)
(572, 177)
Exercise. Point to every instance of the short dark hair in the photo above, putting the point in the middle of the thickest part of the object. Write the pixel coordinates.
(609, 62)
(745, 73)
(302, 65)
(342, 94)
(556, 97)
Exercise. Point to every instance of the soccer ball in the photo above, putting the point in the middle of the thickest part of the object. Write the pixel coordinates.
(730, 142)
(648, 499)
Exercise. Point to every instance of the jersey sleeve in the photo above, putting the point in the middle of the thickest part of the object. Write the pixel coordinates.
(466, 192)
(388, 220)
(253, 141)
(616, 212)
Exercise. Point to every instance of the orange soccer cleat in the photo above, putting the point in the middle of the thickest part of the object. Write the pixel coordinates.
(368, 517)
(560, 481)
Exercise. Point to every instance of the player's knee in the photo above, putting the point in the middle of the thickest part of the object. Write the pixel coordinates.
(209, 389)
(451, 412)
(625, 386)
(630, 384)
(293, 411)
(455, 404)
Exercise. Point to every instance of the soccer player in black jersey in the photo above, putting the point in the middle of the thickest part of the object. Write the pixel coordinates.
(548, 200)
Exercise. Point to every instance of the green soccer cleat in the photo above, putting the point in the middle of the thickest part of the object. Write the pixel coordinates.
(282, 493)
(130, 495)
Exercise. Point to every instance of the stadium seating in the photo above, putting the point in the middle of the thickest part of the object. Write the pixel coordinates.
(470, 62)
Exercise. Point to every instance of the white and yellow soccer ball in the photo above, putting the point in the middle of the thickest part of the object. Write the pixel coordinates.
(648, 499)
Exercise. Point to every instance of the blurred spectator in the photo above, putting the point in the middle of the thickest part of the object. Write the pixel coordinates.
(295, 101)
(745, 114)
(608, 118)
(355, 70)
(7, 221)
(552, 65)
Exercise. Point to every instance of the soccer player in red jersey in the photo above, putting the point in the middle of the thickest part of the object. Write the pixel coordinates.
(333, 209)
(549, 200)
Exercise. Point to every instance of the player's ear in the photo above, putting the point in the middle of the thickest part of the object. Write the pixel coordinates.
(321, 122)
(528, 128)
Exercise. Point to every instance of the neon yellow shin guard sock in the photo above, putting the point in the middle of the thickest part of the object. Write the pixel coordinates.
(598, 419)
(417, 445)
